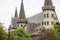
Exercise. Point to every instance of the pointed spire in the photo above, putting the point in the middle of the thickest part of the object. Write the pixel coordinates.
(16, 15)
(48, 2)
(22, 13)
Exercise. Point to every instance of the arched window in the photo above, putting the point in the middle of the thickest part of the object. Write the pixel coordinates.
(52, 15)
(47, 15)
(47, 22)
(52, 22)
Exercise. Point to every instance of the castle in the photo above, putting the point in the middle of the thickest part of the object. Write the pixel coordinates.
(35, 24)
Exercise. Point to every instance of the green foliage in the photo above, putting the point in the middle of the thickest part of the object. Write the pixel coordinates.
(57, 27)
(57, 31)
(2, 33)
(21, 34)
(11, 36)
(50, 33)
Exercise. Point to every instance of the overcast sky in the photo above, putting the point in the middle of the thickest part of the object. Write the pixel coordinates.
(32, 7)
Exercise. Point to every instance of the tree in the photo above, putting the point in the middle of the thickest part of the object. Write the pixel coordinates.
(46, 35)
(22, 34)
(3, 34)
(11, 36)
(57, 31)
(57, 27)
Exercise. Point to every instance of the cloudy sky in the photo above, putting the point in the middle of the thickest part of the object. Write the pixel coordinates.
(32, 7)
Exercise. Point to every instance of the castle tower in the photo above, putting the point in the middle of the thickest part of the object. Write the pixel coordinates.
(20, 21)
(13, 24)
(50, 17)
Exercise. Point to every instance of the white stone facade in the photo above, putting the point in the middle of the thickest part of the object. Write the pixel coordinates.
(50, 18)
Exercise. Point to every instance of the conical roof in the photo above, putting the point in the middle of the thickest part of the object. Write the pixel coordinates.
(16, 15)
(22, 12)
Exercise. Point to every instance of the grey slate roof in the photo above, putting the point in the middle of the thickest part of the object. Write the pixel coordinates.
(38, 18)
(32, 21)
(9, 27)
(31, 27)
(16, 15)
(14, 23)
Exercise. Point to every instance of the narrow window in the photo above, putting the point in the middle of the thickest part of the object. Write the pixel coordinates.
(47, 15)
(42, 23)
(52, 22)
(52, 15)
(47, 22)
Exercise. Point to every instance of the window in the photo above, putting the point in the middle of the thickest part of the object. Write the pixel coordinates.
(42, 23)
(24, 25)
(21, 25)
(47, 22)
(52, 15)
(44, 15)
(52, 22)
(40, 29)
(47, 15)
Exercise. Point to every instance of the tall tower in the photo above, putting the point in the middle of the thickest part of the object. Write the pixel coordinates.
(50, 17)
(22, 21)
(13, 24)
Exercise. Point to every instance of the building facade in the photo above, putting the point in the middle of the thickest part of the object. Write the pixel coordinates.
(34, 25)
(50, 17)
